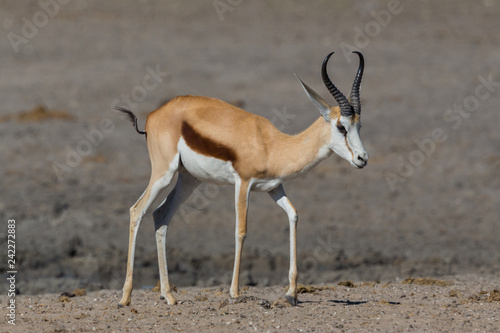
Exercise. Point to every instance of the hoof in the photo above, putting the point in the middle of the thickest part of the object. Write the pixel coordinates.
(292, 300)
(124, 302)
(170, 299)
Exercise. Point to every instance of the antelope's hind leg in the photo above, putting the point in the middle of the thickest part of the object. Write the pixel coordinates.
(279, 196)
(159, 181)
(185, 185)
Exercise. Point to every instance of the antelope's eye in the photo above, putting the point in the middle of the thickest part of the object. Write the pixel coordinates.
(341, 129)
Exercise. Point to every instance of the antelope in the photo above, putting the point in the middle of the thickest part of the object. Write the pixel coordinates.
(204, 139)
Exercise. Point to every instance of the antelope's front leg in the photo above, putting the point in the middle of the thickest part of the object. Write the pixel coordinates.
(242, 189)
(279, 196)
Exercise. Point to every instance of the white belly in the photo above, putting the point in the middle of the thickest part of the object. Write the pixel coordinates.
(204, 168)
(212, 170)
(264, 185)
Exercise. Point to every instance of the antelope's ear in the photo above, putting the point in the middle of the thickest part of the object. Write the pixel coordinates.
(318, 101)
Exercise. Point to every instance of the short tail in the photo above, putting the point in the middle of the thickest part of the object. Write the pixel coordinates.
(132, 117)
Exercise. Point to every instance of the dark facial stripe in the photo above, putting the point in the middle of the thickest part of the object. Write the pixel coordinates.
(350, 150)
(206, 146)
(345, 136)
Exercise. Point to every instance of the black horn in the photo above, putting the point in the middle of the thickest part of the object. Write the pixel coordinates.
(345, 108)
(355, 101)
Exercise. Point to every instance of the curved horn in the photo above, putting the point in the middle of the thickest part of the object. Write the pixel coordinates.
(354, 99)
(345, 108)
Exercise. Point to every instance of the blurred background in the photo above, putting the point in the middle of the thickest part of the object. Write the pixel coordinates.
(427, 204)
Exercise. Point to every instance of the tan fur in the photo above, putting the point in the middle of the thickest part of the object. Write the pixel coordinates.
(241, 233)
(260, 149)
(206, 146)
(335, 114)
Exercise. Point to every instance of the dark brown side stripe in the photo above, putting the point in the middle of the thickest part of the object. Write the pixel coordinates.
(206, 146)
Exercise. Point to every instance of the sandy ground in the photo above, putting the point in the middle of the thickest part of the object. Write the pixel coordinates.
(415, 305)
(427, 204)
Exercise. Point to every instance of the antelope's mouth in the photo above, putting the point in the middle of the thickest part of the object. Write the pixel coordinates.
(358, 164)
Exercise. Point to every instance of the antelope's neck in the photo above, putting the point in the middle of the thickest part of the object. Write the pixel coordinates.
(294, 155)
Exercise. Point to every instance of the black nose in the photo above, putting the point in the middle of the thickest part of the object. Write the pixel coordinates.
(361, 159)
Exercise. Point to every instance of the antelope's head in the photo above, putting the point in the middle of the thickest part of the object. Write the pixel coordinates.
(345, 119)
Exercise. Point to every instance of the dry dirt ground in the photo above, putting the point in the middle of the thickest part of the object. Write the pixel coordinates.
(415, 305)
(427, 204)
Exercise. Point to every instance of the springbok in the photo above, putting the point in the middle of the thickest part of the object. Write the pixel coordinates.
(207, 140)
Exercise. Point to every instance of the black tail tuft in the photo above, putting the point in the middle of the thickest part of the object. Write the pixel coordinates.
(132, 117)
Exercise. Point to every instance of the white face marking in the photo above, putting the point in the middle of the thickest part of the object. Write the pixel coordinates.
(349, 145)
